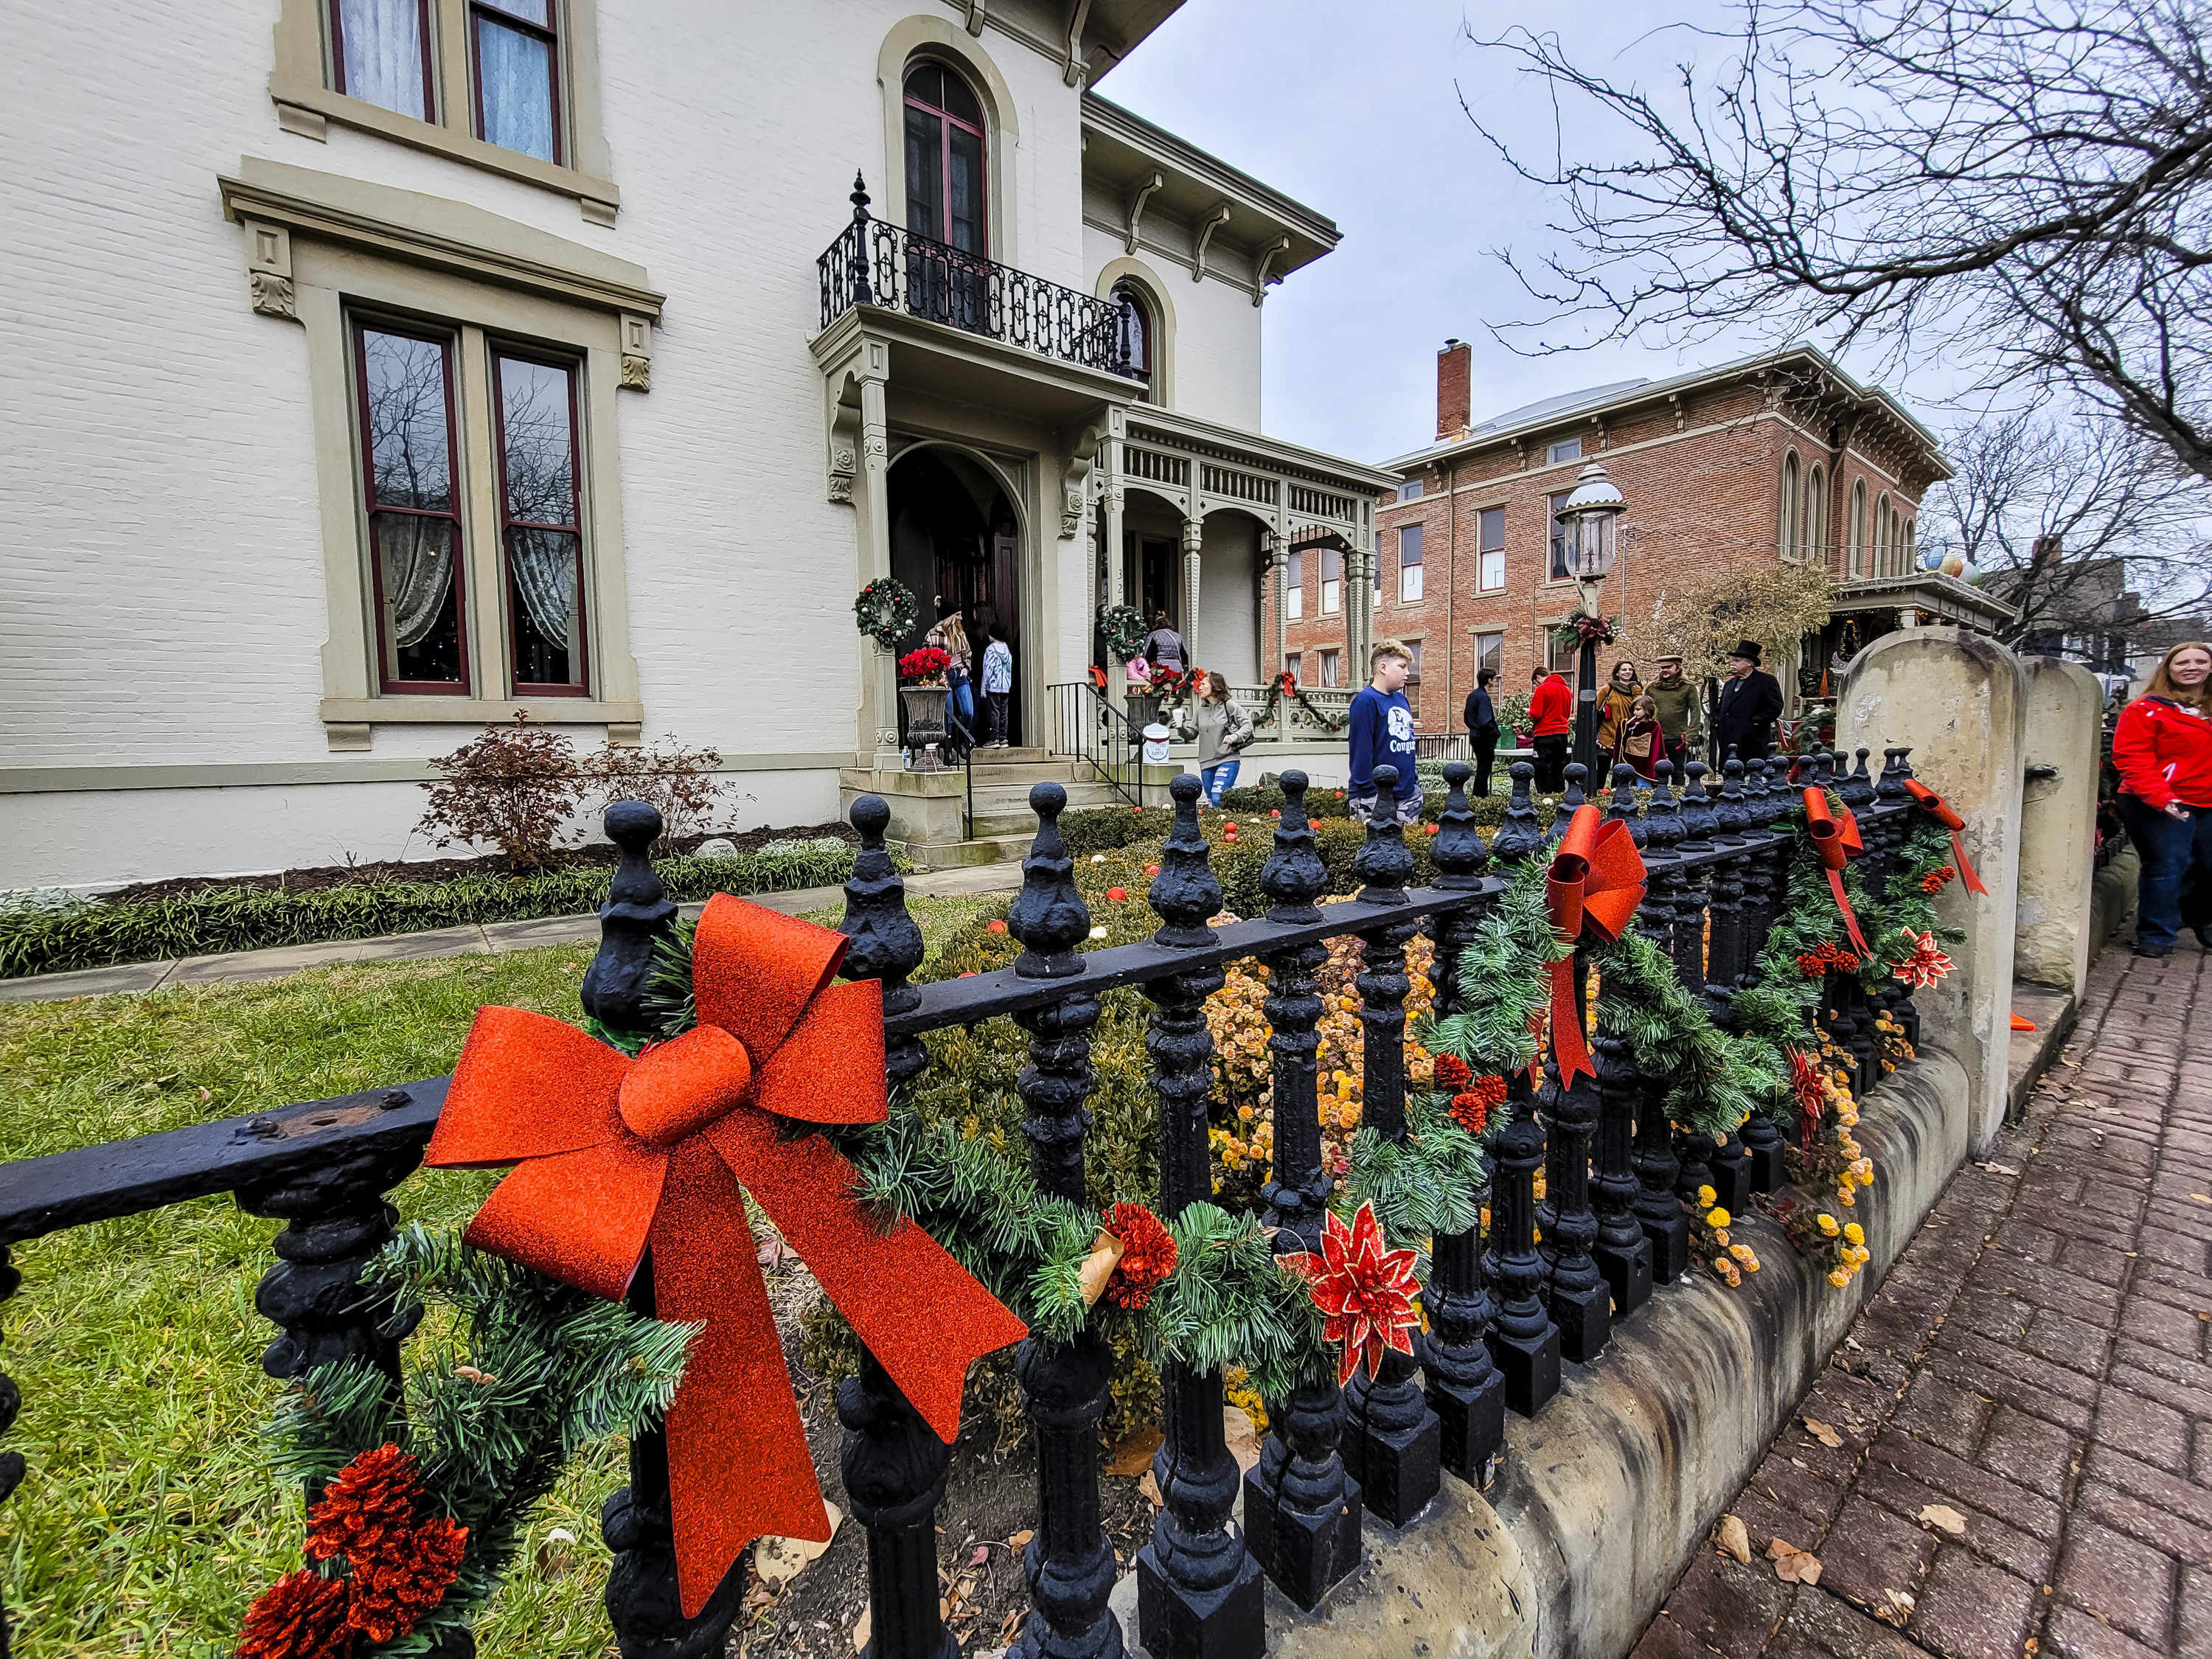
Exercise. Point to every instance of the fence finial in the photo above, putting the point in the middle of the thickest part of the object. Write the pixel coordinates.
(1729, 818)
(1048, 916)
(1294, 874)
(1858, 788)
(1569, 802)
(1698, 820)
(1185, 892)
(1522, 838)
(1458, 849)
(1384, 863)
(636, 913)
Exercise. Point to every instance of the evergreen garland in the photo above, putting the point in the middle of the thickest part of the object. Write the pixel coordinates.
(1504, 985)
(1712, 1080)
(534, 1371)
(1423, 1185)
(1229, 1301)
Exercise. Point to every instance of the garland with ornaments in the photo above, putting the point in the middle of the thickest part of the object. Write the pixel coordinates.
(427, 1491)
(1123, 625)
(1285, 684)
(887, 611)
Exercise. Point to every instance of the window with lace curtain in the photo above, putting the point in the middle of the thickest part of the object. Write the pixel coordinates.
(410, 477)
(541, 524)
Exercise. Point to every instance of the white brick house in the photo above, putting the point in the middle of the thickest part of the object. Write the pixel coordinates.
(377, 368)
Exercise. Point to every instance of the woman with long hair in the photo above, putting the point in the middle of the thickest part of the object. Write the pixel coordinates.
(1614, 703)
(1223, 728)
(2162, 750)
(950, 636)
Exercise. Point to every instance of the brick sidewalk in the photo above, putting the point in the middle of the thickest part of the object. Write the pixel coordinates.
(2036, 1363)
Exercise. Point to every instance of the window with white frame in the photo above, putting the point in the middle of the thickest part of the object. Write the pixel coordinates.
(1490, 549)
(1552, 506)
(1409, 563)
(1567, 449)
(1410, 490)
(1489, 653)
(1332, 584)
(1813, 534)
(1294, 584)
(1786, 531)
(1331, 663)
(1858, 528)
(1295, 662)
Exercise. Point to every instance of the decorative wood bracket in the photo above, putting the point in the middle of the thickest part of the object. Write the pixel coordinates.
(636, 352)
(1263, 273)
(269, 269)
(1217, 217)
(1142, 194)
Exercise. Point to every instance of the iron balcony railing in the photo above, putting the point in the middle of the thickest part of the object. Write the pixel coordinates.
(1503, 1308)
(873, 263)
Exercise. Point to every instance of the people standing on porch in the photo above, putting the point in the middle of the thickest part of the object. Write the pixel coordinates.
(1682, 709)
(1481, 718)
(2162, 750)
(998, 683)
(1383, 735)
(1750, 703)
(1552, 719)
(1164, 645)
(1613, 704)
(1224, 729)
(950, 636)
(1639, 742)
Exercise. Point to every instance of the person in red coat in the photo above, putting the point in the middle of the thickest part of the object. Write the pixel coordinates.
(1552, 719)
(2162, 750)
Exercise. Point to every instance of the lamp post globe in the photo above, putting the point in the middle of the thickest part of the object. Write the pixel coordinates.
(1591, 536)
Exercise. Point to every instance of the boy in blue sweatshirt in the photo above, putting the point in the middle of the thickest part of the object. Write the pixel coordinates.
(1383, 735)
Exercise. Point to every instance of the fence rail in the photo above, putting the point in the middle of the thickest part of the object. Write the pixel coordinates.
(1504, 1312)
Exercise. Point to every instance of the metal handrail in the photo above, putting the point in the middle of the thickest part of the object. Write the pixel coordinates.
(1086, 727)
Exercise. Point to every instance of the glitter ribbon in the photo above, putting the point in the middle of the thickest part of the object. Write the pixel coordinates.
(1835, 841)
(1934, 805)
(1592, 892)
(614, 1155)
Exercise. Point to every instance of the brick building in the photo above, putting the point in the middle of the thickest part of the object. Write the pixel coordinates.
(1778, 457)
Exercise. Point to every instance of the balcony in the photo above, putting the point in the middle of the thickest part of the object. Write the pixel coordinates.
(877, 264)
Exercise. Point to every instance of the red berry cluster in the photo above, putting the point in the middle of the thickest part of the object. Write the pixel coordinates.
(1814, 963)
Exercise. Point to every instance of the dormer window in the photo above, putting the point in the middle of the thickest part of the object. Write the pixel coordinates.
(944, 184)
(1136, 340)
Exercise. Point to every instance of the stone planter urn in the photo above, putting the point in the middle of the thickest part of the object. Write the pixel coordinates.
(1144, 710)
(925, 725)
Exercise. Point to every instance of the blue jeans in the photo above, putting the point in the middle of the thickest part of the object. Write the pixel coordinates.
(2171, 850)
(1217, 778)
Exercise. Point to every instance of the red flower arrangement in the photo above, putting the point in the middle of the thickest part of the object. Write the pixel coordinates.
(1364, 1291)
(1452, 1073)
(1934, 880)
(1926, 965)
(923, 667)
(1814, 963)
(401, 1563)
(1807, 1084)
(1471, 1108)
(1148, 1255)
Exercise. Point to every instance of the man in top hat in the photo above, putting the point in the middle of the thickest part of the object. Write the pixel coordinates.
(1750, 703)
(1680, 710)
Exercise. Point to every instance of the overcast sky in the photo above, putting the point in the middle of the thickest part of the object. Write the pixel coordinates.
(1354, 110)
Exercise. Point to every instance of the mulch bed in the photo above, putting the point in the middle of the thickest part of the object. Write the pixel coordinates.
(321, 878)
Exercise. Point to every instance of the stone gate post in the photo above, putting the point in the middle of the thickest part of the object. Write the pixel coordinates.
(2058, 824)
(1959, 700)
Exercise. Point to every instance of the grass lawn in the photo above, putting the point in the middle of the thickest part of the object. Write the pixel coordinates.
(148, 1519)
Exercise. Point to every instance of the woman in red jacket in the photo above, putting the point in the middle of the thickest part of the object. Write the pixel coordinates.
(2162, 748)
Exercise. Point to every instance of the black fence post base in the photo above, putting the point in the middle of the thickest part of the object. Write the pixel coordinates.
(1530, 1366)
(1174, 1621)
(1669, 1239)
(1628, 1273)
(1762, 1145)
(1471, 1419)
(1584, 1318)
(1393, 1445)
(1301, 1507)
(1731, 1177)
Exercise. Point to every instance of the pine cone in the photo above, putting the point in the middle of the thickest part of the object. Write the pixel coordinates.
(301, 1616)
(390, 1596)
(367, 1509)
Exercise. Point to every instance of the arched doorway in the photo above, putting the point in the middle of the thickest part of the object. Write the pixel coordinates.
(957, 543)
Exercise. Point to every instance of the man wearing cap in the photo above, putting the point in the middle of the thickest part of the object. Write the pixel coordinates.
(1750, 703)
(1682, 709)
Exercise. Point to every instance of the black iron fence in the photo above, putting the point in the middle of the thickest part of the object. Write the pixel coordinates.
(1503, 1309)
(878, 264)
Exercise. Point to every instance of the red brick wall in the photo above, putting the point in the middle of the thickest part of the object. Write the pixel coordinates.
(1704, 495)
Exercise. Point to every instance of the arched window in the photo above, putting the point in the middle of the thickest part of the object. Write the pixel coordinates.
(1816, 515)
(1858, 529)
(946, 190)
(1906, 540)
(1136, 340)
(1884, 562)
(1787, 539)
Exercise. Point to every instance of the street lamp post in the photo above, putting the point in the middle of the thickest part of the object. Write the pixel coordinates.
(1588, 522)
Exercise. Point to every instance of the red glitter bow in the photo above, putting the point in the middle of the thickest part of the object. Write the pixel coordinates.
(617, 1154)
(1835, 841)
(1595, 884)
(1934, 805)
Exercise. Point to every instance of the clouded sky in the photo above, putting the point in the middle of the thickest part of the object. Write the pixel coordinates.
(1355, 110)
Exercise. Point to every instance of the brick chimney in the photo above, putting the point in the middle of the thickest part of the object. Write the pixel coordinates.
(2046, 550)
(1454, 399)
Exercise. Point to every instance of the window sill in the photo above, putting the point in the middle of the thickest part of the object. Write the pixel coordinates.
(303, 107)
(401, 710)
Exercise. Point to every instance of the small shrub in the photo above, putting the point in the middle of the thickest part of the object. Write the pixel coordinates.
(516, 786)
(681, 784)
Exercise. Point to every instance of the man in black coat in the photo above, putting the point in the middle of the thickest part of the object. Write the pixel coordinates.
(1480, 715)
(1750, 703)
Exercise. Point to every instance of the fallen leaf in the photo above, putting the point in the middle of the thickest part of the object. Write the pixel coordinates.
(1997, 1168)
(1798, 1567)
(768, 1251)
(1734, 1538)
(982, 1555)
(1243, 1443)
(1943, 1515)
(1777, 1547)
(1821, 1432)
(1020, 1540)
(2201, 1198)
(556, 1553)
(1896, 1608)
(1133, 1455)
(865, 1629)
(1149, 1489)
(778, 1560)
(1098, 1267)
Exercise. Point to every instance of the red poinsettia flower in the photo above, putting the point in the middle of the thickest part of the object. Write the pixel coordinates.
(1148, 1255)
(925, 665)
(301, 1616)
(1926, 965)
(1471, 1109)
(1365, 1291)
(1453, 1073)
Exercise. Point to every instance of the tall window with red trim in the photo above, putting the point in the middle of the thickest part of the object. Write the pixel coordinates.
(944, 187)
(380, 53)
(541, 523)
(411, 495)
(514, 55)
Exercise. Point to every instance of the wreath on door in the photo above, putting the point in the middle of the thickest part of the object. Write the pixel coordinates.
(1123, 625)
(887, 611)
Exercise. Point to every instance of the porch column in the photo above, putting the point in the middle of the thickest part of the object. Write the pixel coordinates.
(877, 737)
(1193, 531)
(1271, 588)
(1117, 583)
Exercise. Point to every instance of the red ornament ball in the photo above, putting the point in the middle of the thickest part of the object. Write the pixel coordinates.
(1429, 829)
(1275, 812)
(1152, 869)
